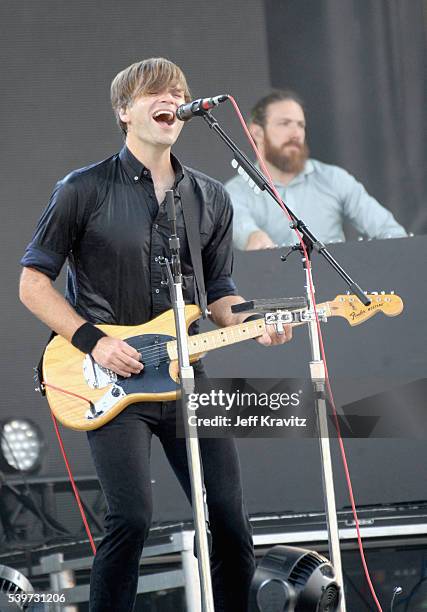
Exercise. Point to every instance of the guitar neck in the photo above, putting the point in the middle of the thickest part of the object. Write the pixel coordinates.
(217, 338)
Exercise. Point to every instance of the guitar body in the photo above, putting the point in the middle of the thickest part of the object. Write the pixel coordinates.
(83, 395)
(68, 369)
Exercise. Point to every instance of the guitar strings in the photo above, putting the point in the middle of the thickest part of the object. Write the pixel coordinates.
(151, 350)
(156, 353)
(155, 347)
(159, 353)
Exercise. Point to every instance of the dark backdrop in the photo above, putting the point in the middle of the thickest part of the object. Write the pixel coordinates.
(360, 67)
(58, 59)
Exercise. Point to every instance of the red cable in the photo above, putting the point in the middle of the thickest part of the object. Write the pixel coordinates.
(73, 484)
(328, 384)
(67, 464)
(45, 384)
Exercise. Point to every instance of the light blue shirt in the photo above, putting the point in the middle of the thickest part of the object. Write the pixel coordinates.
(322, 196)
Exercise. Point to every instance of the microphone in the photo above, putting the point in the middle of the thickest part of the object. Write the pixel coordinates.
(185, 112)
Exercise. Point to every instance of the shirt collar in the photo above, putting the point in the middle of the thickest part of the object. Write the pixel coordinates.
(308, 169)
(136, 169)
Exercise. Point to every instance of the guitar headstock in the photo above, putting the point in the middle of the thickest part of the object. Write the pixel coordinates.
(352, 309)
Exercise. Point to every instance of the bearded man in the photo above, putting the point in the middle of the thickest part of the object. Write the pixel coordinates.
(322, 195)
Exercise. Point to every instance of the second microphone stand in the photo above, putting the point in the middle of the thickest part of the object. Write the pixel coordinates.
(317, 366)
(186, 378)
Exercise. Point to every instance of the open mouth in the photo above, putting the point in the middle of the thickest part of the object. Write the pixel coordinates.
(164, 117)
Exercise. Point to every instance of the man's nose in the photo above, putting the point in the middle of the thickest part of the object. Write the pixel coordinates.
(167, 97)
(297, 131)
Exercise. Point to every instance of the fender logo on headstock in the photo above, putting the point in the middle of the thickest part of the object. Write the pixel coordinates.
(350, 308)
(362, 312)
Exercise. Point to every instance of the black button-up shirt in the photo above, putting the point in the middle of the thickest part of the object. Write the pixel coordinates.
(106, 220)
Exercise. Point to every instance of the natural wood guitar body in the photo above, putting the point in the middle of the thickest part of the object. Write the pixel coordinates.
(83, 396)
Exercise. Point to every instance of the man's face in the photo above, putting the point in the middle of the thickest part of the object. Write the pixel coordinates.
(283, 136)
(151, 118)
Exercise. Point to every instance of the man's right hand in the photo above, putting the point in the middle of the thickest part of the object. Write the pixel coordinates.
(118, 356)
(259, 240)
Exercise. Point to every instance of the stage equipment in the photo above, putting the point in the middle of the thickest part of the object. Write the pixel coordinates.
(22, 446)
(290, 579)
(108, 395)
(317, 366)
(13, 586)
(172, 277)
(51, 501)
(396, 537)
(417, 598)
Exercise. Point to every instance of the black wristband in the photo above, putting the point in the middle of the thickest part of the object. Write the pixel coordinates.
(86, 337)
(253, 317)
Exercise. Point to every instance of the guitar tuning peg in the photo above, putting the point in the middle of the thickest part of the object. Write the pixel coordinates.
(347, 292)
(382, 292)
(365, 292)
(234, 163)
(374, 292)
(241, 171)
(392, 292)
(257, 190)
(251, 183)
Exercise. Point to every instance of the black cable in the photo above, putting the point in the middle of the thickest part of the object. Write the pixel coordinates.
(414, 591)
(358, 592)
(33, 506)
(29, 501)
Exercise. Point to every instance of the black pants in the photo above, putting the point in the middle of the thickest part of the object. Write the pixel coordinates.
(121, 452)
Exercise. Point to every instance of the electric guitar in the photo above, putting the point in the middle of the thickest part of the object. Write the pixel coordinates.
(84, 395)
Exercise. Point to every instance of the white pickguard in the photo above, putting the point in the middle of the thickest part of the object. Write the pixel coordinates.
(96, 376)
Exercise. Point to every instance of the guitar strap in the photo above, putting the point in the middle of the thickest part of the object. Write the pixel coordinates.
(190, 203)
(38, 369)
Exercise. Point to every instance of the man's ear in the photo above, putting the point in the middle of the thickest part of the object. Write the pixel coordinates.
(257, 133)
(124, 115)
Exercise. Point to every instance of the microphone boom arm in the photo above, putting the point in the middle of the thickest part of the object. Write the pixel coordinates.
(261, 182)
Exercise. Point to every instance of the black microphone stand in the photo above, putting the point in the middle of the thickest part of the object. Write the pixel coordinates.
(317, 366)
(186, 378)
(261, 182)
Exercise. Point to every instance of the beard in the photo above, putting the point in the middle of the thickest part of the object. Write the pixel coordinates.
(291, 161)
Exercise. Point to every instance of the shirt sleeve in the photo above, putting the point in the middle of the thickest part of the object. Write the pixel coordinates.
(363, 211)
(217, 255)
(244, 221)
(55, 233)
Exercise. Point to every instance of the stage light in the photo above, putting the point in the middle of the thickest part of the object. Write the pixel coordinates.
(21, 446)
(13, 588)
(290, 579)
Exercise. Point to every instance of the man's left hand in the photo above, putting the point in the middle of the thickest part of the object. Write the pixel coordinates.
(271, 338)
